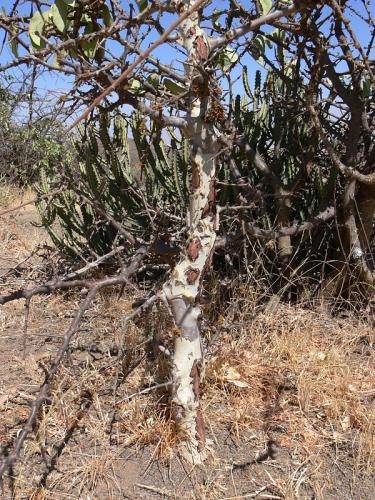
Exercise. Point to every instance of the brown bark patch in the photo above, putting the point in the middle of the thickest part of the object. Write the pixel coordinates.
(193, 249)
(192, 275)
(201, 87)
(201, 48)
(195, 177)
(210, 208)
(199, 421)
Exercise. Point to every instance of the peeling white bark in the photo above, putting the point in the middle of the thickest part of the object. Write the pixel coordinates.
(182, 290)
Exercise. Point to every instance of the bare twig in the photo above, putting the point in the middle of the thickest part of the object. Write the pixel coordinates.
(93, 288)
(94, 264)
(61, 283)
(144, 391)
(163, 492)
(349, 172)
(31, 202)
(9, 460)
(298, 228)
(137, 62)
(26, 323)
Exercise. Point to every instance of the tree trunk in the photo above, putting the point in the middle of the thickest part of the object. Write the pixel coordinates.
(284, 207)
(357, 225)
(183, 289)
(366, 213)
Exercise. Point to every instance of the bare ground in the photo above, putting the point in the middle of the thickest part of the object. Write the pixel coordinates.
(288, 398)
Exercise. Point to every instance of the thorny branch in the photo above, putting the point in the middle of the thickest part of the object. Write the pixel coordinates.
(93, 288)
(137, 62)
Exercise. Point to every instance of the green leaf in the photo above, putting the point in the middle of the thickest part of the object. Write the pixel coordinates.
(14, 46)
(228, 58)
(136, 87)
(258, 47)
(106, 15)
(266, 6)
(366, 88)
(154, 80)
(90, 47)
(59, 14)
(173, 87)
(36, 26)
(13, 42)
(142, 4)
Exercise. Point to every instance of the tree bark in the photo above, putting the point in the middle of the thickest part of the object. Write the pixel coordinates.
(183, 289)
(366, 213)
(284, 207)
(355, 248)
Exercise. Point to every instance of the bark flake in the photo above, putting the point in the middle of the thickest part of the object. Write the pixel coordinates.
(192, 275)
(199, 421)
(193, 249)
(210, 207)
(195, 176)
(201, 48)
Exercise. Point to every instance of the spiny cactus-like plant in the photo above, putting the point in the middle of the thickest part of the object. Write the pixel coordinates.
(134, 189)
(147, 187)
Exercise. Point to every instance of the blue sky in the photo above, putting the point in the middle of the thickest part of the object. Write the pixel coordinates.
(49, 81)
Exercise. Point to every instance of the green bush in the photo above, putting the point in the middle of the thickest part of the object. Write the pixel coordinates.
(25, 148)
(146, 191)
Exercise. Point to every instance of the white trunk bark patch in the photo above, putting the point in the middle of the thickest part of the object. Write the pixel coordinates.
(183, 288)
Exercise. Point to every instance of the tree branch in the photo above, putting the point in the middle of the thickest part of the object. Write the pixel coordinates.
(221, 41)
(349, 172)
(136, 63)
(94, 287)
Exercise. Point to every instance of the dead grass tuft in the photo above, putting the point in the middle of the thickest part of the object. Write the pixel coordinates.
(143, 422)
(302, 377)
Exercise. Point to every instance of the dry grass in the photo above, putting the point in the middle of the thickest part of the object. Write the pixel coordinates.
(294, 380)
(310, 380)
(297, 378)
(9, 195)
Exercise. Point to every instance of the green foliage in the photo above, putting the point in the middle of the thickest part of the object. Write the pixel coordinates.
(59, 14)
(226, 58)
(36, 28)
(173, 87)
(137, 189)
(146, 187)
(142, 4)
(282, 136)
(266, 6)
(26, 148)
(60, 18)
